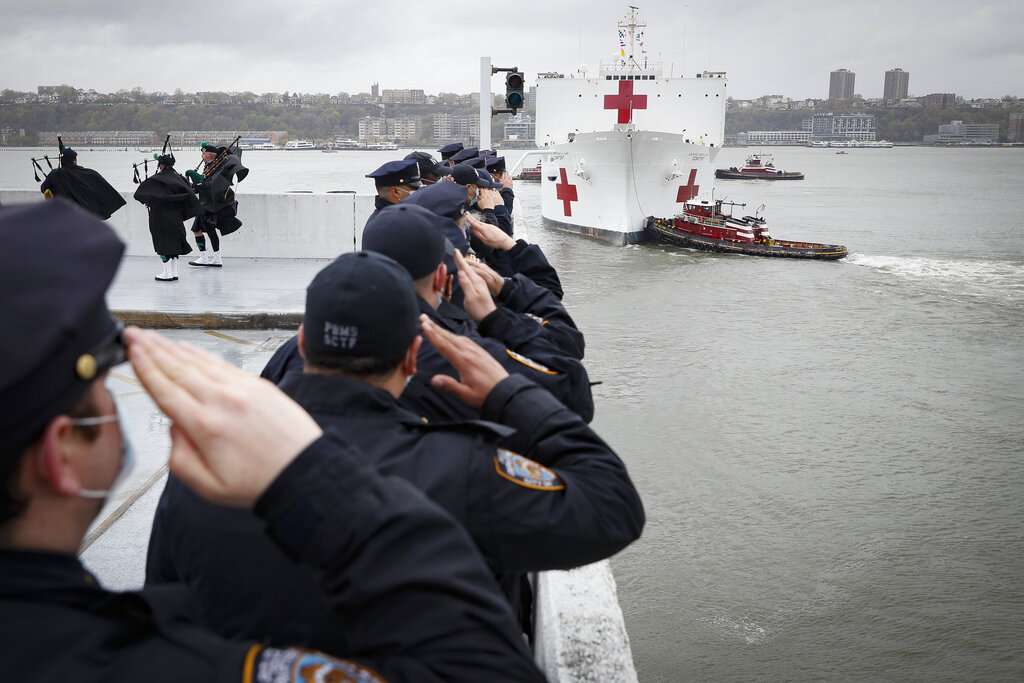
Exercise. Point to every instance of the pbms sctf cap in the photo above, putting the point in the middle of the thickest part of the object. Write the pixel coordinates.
(58, 335)
(363, 305)
(410, 234)
(395, 173)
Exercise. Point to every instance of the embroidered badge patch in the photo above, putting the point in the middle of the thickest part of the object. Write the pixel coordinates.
(525, 472)
(530, 363)
(296, 665)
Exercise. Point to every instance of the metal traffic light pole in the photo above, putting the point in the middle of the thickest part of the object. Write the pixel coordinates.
(485, 102)
(486, 110)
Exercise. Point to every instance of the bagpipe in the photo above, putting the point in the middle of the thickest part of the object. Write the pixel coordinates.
(222, 155)
(37, 168)
(156, 161)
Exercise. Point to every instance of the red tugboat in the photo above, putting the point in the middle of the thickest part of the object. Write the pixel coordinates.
(704, 225)
(531, 175)
(759, 167)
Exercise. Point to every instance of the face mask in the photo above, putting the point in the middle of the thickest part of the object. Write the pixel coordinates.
(127, 455)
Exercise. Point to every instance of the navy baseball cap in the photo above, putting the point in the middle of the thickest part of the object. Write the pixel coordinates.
(410, 234)
(363, 305)
(58, 335)
(464, 174)
(394, 173)
(448, 151)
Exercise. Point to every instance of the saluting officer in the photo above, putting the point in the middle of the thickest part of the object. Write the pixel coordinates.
(414, 237)
(537, 310)
(496, 167)
(395, 181)
(409, 591)
(536, 488)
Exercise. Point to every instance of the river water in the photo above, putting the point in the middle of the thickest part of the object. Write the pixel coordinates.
(831, 454)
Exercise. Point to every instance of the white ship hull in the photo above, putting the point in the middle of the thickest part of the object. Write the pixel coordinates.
(605, 184)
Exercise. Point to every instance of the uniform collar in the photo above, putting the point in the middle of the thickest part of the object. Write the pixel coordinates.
(435, 316)
(337, 395)
(42, 575)
(381, 203)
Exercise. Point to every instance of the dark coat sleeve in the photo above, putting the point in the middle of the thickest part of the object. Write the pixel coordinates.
(582, 506)
(528, 260)
(524, 296)
(418, 601)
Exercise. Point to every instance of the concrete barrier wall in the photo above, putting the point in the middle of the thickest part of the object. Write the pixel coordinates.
(273, 225)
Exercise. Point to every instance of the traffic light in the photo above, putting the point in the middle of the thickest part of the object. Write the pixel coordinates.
(514, 97)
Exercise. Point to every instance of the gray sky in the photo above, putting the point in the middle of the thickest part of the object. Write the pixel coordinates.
(780, 47)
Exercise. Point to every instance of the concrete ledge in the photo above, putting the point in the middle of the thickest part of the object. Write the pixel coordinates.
(257, 320)
(611, 236)
(580, 634)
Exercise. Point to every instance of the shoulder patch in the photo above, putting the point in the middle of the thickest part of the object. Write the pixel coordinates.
(525, 472)
(298, 665)
(530, 363)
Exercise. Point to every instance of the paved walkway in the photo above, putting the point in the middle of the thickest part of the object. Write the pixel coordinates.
(243, 286)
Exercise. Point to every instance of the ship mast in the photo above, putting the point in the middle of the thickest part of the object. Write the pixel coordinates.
(632, 43)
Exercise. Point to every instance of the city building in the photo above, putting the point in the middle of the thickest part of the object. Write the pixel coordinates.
(113, 138)
(960, 133)
(531, 99)
(373, 129)
(1015, 128)
(403, 130)
(830, 126)
(939, 100)
(403, 97)
(840, 84)
(456, 128)
(777, 137)
(193, 138)
(520, 128)
(8, 135)
(375, 91)
(897, 82)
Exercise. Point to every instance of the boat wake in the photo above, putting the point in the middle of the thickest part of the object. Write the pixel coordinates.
(973, 277)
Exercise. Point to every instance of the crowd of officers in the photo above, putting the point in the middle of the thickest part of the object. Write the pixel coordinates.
(369, 510)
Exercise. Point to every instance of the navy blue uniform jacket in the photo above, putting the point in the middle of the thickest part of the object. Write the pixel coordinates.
(570, 503)
(415, 601)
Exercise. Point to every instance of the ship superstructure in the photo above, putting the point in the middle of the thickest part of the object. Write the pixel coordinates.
(627, 143)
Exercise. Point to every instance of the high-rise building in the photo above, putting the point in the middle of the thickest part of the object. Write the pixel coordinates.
(375, 91)
(1015, 129)
(840, 85)
(897, 83)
